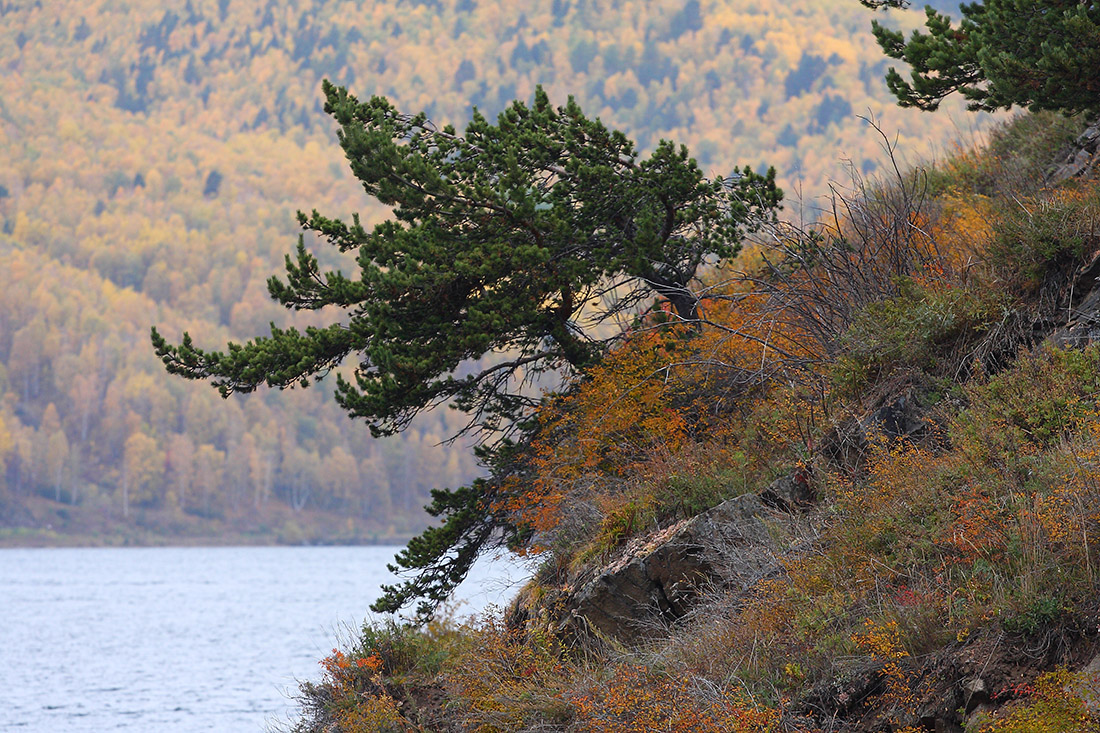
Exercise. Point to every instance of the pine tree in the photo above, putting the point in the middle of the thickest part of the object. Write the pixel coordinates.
(510, 247)
(1040, 54)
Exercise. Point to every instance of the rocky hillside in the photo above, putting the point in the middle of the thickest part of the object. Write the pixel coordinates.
(866, 497)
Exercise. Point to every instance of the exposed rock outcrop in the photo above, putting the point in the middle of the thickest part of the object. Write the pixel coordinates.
(657, 579)
(901, 416)
(793, 492)
(1082, 158)
(957, 686)
(1082, 325)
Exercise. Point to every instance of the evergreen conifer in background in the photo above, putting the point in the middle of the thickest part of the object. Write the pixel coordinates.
(1040, 54)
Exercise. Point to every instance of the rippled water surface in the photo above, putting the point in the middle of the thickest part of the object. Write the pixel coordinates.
(182, 639)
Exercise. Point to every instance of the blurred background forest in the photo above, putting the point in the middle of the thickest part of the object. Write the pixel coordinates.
(152, 159)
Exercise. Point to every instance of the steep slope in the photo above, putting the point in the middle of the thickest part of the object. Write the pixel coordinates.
(871, 511)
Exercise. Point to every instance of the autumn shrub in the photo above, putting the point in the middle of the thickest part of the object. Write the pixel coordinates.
(928, 327)
(784, 427)
(658, 432)
(373, 685)
(882, 641)
(398, 678)
(1060, 701)
(928, 545)
(351, 697)
(965, 225)
(797, 628)
(507, 678)
(893, 510)
(1045, 234)
(635, 699)
(1068, 511)
(590, 437)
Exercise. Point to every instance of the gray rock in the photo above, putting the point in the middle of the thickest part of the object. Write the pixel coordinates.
(796, 490)
(658, 579)
(1082, 324)
(1091, 692)
(975, 686)
(1080, 160)
(901, 416)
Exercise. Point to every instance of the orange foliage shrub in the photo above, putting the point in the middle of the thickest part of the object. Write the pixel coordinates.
(1061, 701)
(620, 415)
(358, 699)
(664, 425)
(979, 528)
(963, 229)
(636, 700)
(882, 641)
(506, 677)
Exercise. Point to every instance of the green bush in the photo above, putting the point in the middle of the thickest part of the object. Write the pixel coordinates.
(920, 328)
(1045, 234)
(408, 651)
(1034, 616)
(1037, 403)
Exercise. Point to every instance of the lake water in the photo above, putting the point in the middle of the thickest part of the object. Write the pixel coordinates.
(183, 639)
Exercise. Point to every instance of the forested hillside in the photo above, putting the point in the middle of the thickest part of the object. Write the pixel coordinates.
(151, 161)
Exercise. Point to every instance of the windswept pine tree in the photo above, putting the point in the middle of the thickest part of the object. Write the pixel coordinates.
(1040, 54)
(514, 243)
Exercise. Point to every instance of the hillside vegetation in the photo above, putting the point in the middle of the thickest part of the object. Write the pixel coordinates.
(902, 402)
(150, 165)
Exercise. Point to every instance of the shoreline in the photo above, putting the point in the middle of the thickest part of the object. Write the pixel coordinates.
(23, 538)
